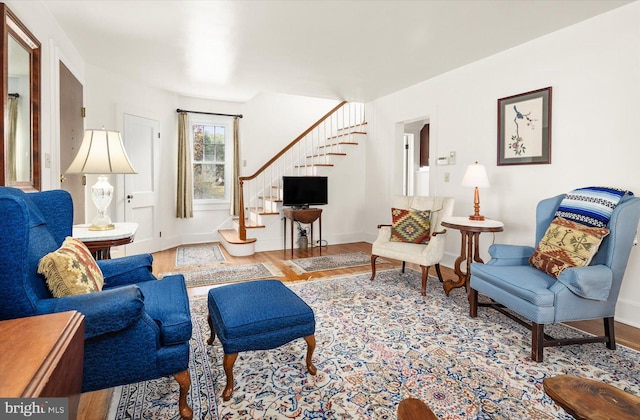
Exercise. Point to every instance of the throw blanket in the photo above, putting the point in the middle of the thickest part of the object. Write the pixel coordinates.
(591, 206)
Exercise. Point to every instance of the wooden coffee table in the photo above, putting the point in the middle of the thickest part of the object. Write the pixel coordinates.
(588, 399)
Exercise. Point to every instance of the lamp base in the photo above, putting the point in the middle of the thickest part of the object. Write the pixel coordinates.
(101, 193)
(476, 217)
(110, 226)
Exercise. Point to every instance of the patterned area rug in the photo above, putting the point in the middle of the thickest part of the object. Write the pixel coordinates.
(228, 273)
(376, 345)
(199, 254)
(330, 262)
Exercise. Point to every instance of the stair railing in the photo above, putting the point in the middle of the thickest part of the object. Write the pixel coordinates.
(259, 193)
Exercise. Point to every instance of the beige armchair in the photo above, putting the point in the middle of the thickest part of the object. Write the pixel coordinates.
(425, 255)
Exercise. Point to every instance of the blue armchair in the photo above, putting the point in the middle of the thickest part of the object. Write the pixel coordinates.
(582, 293)
(137, 328)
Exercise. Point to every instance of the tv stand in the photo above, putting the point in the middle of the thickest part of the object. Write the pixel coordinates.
(305, 216)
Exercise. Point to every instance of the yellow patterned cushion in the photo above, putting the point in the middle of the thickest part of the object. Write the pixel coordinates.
(71, 270)
(566, 244)
(412, 226)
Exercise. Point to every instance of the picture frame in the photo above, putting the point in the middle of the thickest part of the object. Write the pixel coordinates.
(524, 128)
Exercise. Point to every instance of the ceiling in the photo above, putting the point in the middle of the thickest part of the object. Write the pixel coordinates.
(353, 50)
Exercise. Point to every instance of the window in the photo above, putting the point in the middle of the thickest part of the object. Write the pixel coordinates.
(212, 154)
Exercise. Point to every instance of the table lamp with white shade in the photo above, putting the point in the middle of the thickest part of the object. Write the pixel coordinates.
(102, 153)
(476, 177)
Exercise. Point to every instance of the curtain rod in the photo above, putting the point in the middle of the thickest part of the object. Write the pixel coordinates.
(14, 95)
(210, 113)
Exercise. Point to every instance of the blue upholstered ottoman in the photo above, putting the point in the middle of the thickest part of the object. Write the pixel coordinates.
(258, 315)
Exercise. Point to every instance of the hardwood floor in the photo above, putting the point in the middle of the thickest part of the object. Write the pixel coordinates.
(94, 405)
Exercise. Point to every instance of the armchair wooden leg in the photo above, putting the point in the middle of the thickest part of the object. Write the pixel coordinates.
(184, 381)
(213, 331)
(373, 266)
(404, 263)
(439, 273)
(311, 346)
(473, 303)
(227, 363)
(537, 342)
(609, 332)
(425, 275)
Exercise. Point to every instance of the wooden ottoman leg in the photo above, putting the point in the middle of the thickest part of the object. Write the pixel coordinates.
(227, 363)
(213, 331)
(311, 346)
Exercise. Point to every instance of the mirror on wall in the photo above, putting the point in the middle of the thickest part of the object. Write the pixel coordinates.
(20, 91)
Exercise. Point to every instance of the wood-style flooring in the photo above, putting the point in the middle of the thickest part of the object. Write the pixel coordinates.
(94, 405)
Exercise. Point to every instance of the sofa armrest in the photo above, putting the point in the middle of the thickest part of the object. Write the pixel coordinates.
(108, 311)
(126, 270)
(503, 254)
(591, 282)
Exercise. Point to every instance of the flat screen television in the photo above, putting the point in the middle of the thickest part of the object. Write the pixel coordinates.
(304, 191)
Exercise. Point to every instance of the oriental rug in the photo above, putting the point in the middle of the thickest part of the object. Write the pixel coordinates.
(330, 262)
(378, 343)
(228, 273)
(199, 255)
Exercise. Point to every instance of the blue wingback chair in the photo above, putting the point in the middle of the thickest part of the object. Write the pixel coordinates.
(511, 282)
(137, 328)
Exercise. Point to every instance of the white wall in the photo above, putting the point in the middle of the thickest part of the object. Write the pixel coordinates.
(274, 120)
(594, 69)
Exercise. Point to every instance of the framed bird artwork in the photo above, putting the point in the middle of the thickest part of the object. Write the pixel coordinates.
(524, 128)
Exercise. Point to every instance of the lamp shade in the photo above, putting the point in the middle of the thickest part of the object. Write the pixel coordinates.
(101, 152)
(476, 176)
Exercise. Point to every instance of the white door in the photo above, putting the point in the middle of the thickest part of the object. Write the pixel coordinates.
(142, 143)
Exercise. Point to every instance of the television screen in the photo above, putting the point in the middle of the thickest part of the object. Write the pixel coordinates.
(304, 191)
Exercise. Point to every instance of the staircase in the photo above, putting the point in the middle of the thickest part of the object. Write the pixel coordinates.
(318, 148)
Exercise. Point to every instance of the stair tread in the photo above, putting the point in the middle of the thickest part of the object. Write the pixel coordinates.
(312, 165)
(338, 144)
(233, 237)
(327, 154)
(347, 134)
(354, 125)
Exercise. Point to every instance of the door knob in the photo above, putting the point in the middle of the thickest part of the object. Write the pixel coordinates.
(129, 198)
(62, 178)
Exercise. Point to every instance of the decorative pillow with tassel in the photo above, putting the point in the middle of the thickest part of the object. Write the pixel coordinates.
(566, 244)
(71, 270)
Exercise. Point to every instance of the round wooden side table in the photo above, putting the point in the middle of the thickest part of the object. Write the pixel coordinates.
(470, 231)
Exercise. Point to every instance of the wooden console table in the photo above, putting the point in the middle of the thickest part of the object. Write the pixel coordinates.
(306, 216)
(469, 247)
(42, 357)
(100, 242)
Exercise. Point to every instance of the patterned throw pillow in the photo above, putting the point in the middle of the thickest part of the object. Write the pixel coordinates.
(566, 244)
(412, 226)
(71, 270)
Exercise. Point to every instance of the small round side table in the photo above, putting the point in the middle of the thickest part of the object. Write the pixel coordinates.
(469, 246)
